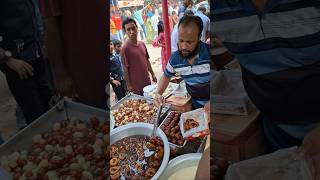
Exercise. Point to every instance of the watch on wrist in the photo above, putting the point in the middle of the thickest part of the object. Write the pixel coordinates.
(7, 56)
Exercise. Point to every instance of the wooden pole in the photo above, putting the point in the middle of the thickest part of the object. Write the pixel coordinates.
(166, 27)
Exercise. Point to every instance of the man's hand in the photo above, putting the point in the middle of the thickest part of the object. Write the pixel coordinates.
(24, 69)
(129, 87)
(207, 110)
(115, 82)
(154, 78)
(207, 107)
(311, 149)
(65, 86)
(159, 100)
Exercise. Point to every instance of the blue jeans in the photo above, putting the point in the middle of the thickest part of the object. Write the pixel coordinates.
(120, 35)
(113, 37)
(143, 32)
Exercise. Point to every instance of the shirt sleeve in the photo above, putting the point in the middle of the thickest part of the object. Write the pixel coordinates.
(124, 58)
(169, 71)
(147, 54)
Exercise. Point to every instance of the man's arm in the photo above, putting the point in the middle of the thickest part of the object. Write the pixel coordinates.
(154, 79)
(207, 35)
(150, 67)
(63, 80)
(126, 69)
(162, 86)
(127, 78)
(23, 69)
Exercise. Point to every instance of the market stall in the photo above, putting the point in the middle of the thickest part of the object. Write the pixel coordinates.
(179, 143)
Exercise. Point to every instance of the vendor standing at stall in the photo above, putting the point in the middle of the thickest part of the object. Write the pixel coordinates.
(135, 59)
(280, 68)
(191, 62)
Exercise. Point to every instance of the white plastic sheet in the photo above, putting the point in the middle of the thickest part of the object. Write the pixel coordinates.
(284, 164)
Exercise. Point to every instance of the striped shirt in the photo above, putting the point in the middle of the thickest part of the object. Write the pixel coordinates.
(196, 76)
(278, 49)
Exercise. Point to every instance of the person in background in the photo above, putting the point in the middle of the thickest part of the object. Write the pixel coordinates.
(160, 42)
(160, 10)
(174, 18)
(113, 30)
(78, 65)
(21, 57)
(154, 22)
(176, 9)
(149, 13)
(116, 75)
(206, 23)
(117, 47)
(170, 24)
(191, 62)
(138, 16)
(150, 33)
(140, 30)
(135, 59)
(183, 8)
(191, 7)
(128, 13)
(122, 15)
(170, 8)
(117, 21)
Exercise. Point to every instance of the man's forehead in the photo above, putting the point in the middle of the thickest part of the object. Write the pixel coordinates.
(130, 24)
(188, 28)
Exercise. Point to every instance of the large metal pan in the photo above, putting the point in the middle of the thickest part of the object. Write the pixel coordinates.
(142, 129)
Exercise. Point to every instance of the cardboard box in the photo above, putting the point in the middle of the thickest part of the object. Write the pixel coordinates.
(237, 138)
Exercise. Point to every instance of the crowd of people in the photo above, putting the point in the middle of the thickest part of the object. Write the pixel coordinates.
(131, 69)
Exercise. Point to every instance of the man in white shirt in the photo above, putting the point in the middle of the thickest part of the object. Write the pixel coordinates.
(154, 22)
(206, 23)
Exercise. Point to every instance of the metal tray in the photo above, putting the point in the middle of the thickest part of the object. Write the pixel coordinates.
(129, 96)
(172, 145)
(169, 94)
(63, 110)
(143, 129)
(181, 162)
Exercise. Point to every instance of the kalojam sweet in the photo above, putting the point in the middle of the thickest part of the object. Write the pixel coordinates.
(136, 157)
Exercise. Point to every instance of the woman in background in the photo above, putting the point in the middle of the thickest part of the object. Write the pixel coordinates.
(160, 42)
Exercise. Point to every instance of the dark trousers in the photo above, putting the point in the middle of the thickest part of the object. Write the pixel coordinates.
(120, 91)
(32, 94)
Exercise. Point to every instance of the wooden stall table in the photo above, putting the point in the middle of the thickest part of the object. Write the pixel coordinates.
(182, 104)
(235, 137)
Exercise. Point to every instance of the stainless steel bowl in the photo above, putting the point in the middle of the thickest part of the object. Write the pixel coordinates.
(181, 162)
(142, 129)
